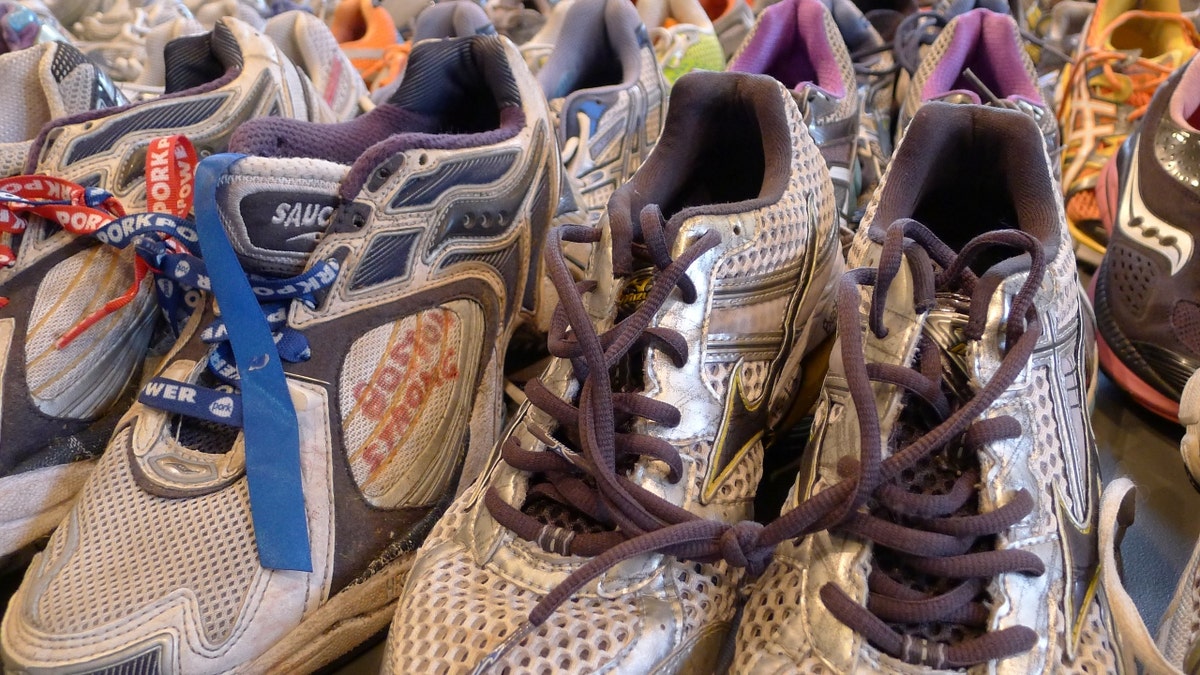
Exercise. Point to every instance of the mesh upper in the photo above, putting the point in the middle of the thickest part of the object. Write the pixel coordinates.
(451, 618)
(134, 548)
(1130, 274)
(400, 374)
(1185, 321)
(83, 377)
(455, 611)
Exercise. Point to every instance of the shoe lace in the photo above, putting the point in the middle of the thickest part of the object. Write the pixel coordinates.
(90, 211)
(672, 44)
(935, 535)
(1124, 76)
(78, 210)
(580, 464)
(187, 272)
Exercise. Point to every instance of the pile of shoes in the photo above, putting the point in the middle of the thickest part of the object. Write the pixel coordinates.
(676, 336)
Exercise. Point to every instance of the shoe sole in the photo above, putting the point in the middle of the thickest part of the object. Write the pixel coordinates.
(341, 625)
(33, 503)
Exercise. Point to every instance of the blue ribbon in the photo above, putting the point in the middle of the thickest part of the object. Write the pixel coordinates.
(269, 425)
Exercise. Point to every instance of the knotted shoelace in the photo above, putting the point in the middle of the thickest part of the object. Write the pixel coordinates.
(580, 464)
(91, 211)
(184, 272)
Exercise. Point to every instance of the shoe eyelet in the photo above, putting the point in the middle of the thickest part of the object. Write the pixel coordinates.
(468, 222)
(383, 173)
(737, 230)
(358, 221)
(422, 159)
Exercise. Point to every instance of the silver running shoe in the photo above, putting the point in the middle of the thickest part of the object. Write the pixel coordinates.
(600, 538)
(949, 494)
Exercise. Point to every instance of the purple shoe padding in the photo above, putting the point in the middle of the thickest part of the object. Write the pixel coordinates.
(790, 44)
(340, 142)
(512, 120)
(983, 42)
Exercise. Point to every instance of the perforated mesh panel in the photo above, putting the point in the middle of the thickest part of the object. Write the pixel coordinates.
(849, 105)
(775, 601)
(787, 225)
(397, 390)
(26, 111)
(1185, 321)
(1045, 457)
(1095, 653)
(134, 548)
(451, 618)
(1131, 275)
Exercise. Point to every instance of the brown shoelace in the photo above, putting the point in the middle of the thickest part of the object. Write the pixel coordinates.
(579, 468)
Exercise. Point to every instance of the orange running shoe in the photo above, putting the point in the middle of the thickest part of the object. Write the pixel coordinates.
(368, 35)
(1128, 49)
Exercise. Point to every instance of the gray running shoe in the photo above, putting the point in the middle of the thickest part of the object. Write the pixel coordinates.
(69, 357)
(392, 256)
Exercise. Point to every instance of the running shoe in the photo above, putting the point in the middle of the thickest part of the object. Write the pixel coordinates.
(980, 59)
(948, 495)
(798, 42)
(368, 36)
(116, 37)
(70, 356)
(1127, 50)
(540, 46)
(1189, 416)
(1177, 649)
(519, 20)
(607, 96)
(251, 12)
(391, 256)
(594, 541)
(307, 42)
(52, 80)
(1147, 289)
(683, 36)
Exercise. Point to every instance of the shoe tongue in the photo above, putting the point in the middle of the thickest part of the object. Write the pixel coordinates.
(276, 210)
(899, 347)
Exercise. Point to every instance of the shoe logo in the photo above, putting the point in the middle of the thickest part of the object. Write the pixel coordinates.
(741, 427)
(302, 216)
(1143, 226)
(222, 407)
